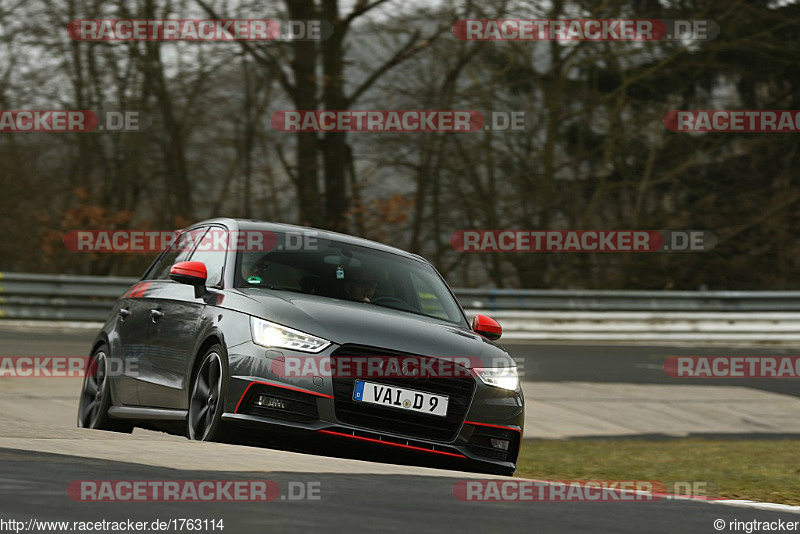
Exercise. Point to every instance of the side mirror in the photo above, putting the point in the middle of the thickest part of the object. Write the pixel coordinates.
(192, 273)
(487, 327)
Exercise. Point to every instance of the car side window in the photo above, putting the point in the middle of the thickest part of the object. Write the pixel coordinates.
(175, 254)
(211, 251)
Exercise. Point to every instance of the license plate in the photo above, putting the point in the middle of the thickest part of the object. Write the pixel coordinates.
(400, 398)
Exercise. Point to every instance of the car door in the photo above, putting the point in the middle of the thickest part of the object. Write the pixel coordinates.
(149, 374)
(131, 335)
(172, 331)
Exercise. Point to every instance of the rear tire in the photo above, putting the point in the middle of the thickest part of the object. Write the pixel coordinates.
(206, 400)
(95, 396)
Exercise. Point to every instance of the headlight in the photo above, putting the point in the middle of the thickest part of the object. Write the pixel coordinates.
(269, 334)
(501, 377)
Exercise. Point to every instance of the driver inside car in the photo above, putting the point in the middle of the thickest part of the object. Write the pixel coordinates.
(360, 285)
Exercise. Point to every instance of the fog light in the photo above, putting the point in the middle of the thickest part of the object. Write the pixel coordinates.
(271, 402)
(501, 444)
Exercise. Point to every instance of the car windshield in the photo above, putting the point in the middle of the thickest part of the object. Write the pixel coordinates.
(342, 271)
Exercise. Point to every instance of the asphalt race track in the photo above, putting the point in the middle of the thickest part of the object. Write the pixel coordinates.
(41, 453)
(636, 364)
(33, 486)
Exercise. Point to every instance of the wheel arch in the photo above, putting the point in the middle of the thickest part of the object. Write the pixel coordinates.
(211, 339)
(101, 339)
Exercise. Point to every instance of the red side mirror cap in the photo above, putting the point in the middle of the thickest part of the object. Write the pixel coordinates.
(192, 273)
(487, 327)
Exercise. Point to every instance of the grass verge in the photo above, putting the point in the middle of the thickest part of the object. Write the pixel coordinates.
(759, 469)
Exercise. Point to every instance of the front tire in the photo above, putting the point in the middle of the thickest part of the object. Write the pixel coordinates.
(206, 401)
(95, 396)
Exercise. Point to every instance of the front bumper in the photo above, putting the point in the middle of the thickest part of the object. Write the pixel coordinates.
(308, 405)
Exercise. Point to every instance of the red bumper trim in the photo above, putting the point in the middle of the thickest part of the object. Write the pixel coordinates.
(371, 440)
(493, 426)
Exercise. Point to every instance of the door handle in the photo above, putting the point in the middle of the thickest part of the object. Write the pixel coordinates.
(155, 315)
(123, 313)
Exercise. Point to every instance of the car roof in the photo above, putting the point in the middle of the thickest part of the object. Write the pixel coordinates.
(252, 224)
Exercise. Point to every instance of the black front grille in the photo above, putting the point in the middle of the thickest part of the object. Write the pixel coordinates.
(301, 407)
(403, 422)
(480, 443)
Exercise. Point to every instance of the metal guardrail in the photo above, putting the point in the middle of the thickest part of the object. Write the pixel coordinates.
(661, 327)
(772, 316)
(59, 297)
(609, 300)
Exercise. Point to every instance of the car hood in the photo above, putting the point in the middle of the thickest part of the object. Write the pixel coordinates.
(360, 323)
